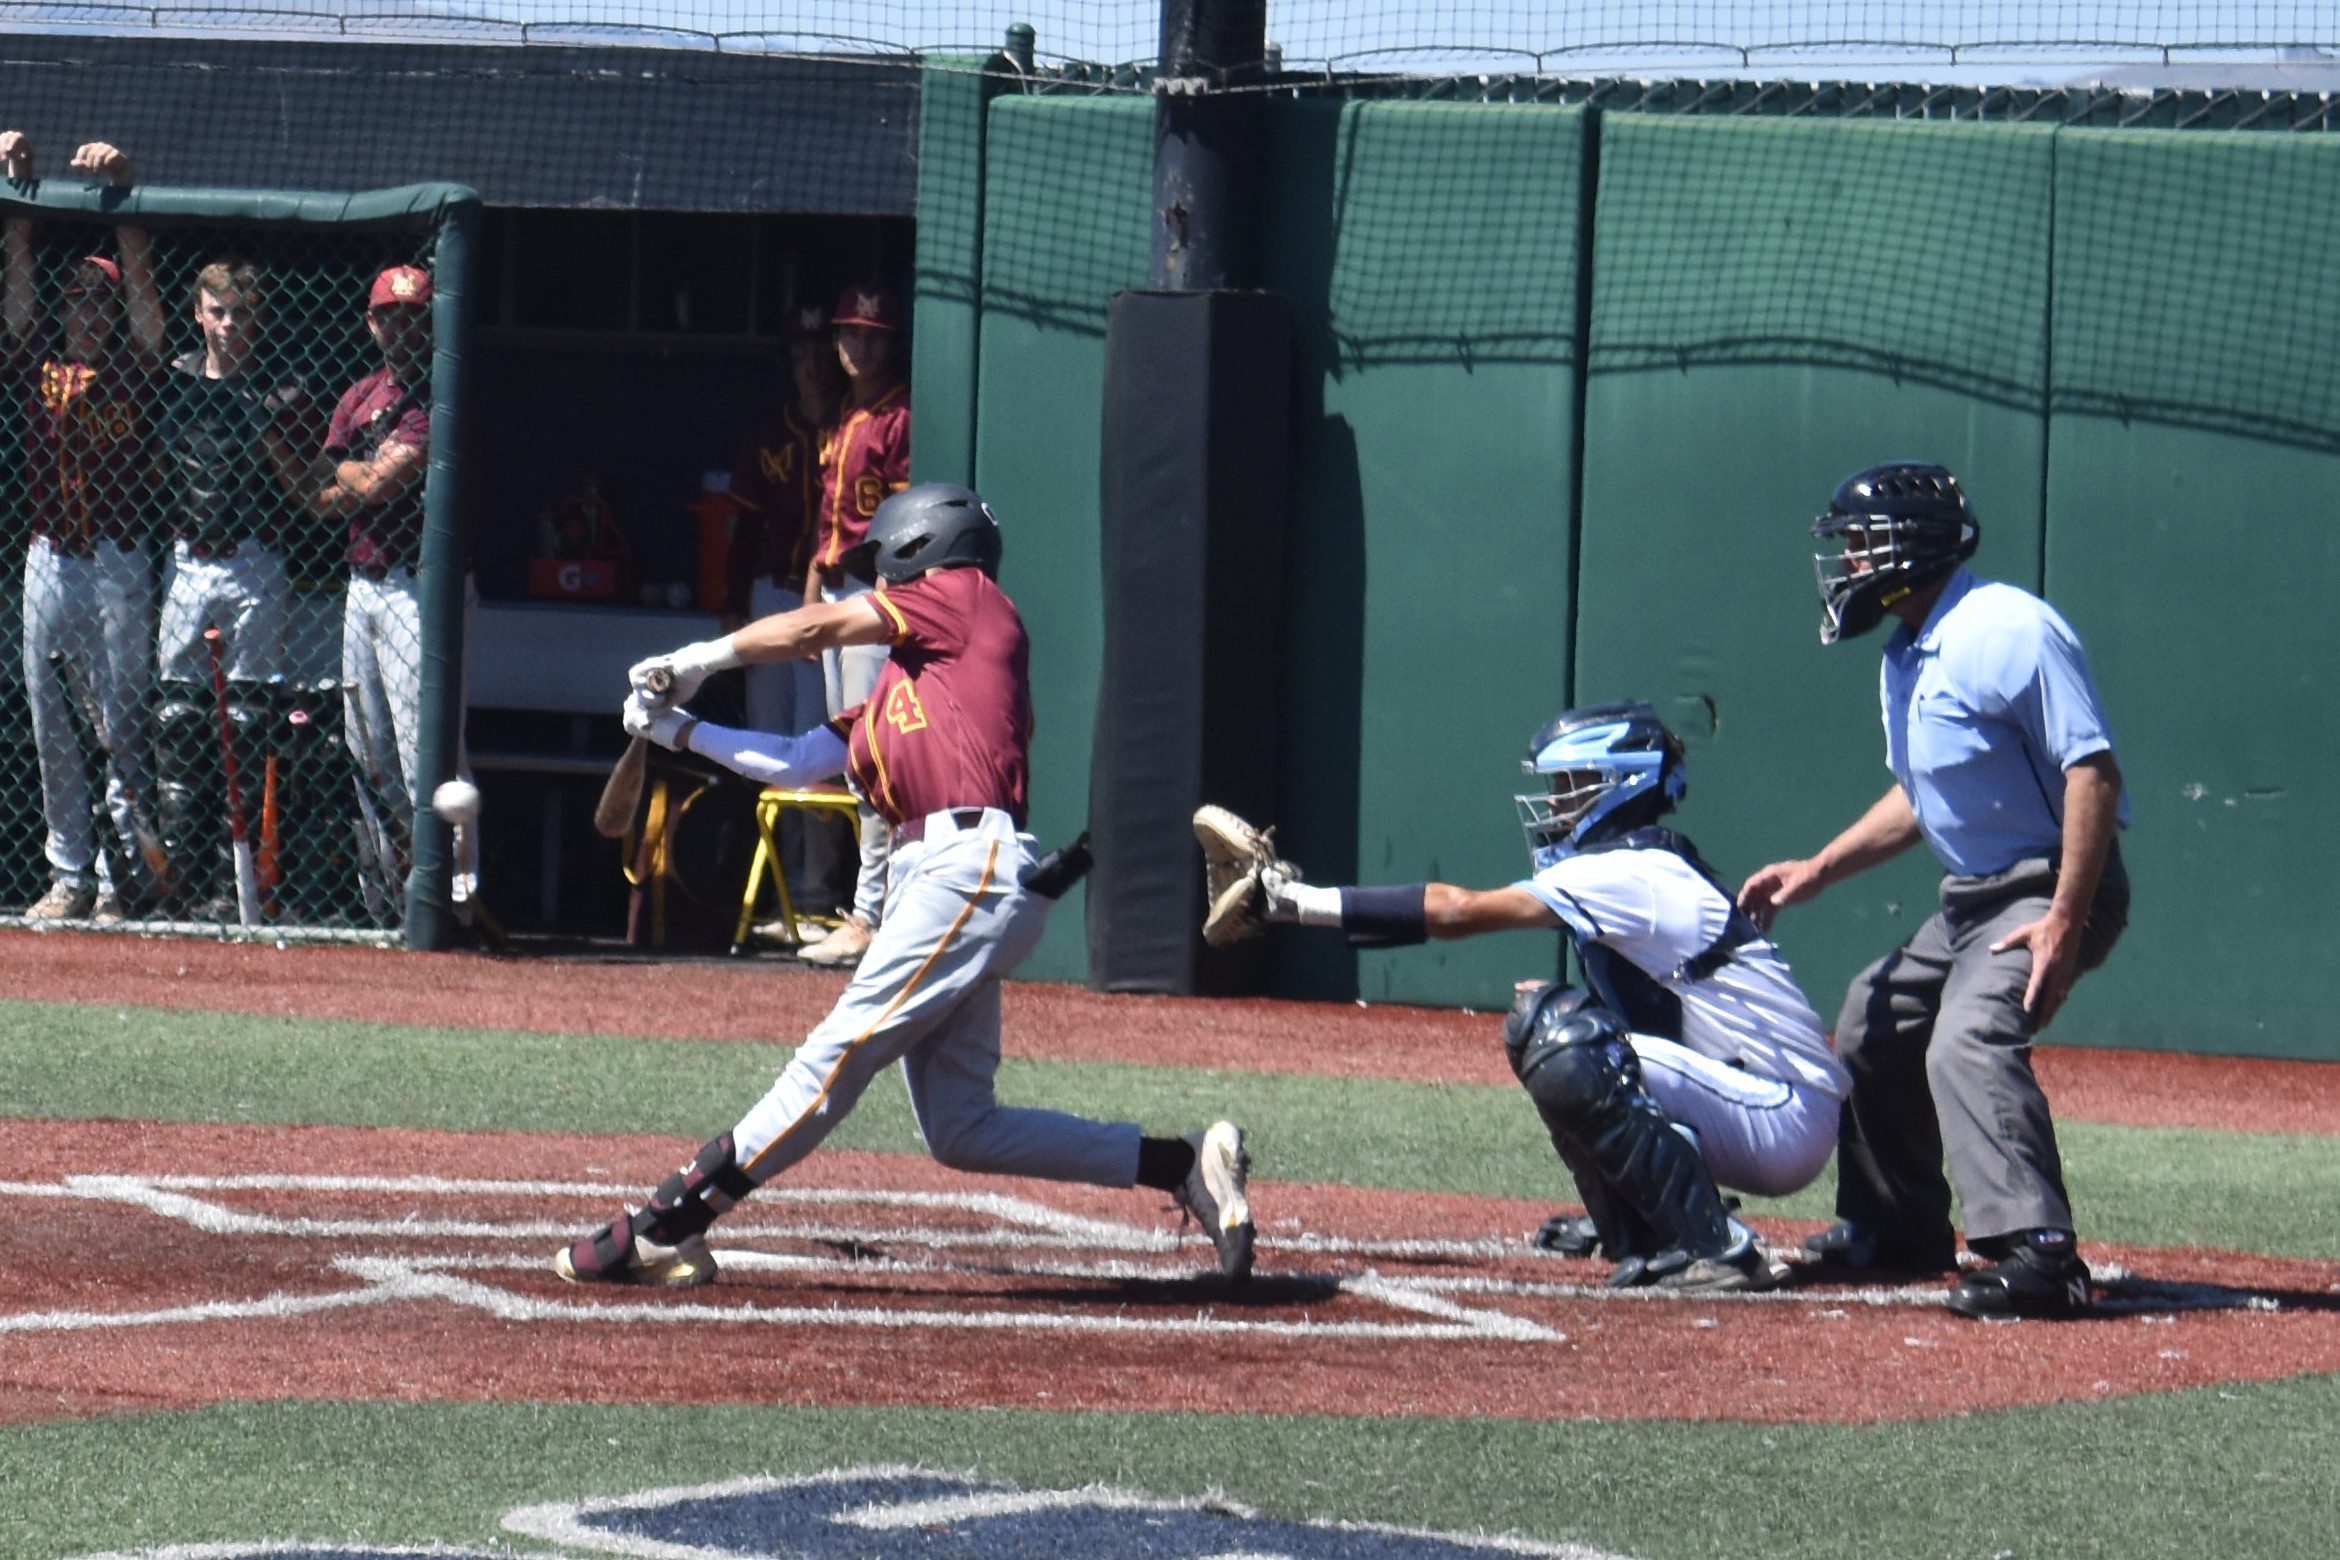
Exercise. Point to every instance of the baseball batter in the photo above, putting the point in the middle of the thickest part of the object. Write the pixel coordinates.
(2003, 764)
(1692, 1062)
(865, 457)
(86, 386)
(941, 749)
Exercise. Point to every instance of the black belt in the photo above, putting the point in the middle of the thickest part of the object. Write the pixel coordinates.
(915, 829)
(378, 571)
(214, 546)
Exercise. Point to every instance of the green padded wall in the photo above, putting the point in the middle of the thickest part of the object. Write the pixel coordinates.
(2192, 480)
(1066, 191)
(1776, 304)
(948, 287)
(1429, 251)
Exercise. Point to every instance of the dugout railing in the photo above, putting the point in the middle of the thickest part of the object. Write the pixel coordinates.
(160, 477)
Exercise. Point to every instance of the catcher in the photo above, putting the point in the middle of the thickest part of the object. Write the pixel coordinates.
(1689, 1062)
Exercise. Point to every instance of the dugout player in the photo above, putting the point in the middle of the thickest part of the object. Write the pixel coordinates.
(88, 585)
(775, 495)
(941, 747)
(221, 448)
(371, 473)
(2003, 764)
(1692, 1062)
(865, 457)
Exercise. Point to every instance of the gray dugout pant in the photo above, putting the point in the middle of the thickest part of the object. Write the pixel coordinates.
(1939, 1048)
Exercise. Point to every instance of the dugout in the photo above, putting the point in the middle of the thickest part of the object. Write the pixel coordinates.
(651, 213)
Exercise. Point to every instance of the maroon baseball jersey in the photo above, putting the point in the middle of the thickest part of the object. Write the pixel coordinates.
(865, 458)
(87, 463)
(950, 721)
(776, 494)
(372, 413)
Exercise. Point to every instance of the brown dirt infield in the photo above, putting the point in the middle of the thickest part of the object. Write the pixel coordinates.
(773, 999)
(334, 1263)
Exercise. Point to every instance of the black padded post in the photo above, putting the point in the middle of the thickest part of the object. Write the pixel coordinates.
(1193, 496)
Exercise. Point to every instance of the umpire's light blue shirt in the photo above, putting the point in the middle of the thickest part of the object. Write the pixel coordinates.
(1986, 706)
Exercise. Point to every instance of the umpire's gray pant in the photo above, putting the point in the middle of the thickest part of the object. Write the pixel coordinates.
(1939, 1048)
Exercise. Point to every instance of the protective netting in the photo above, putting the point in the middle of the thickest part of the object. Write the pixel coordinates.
(1506, 35)
(215, 462)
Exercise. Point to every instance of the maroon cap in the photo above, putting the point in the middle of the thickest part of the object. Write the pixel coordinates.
(94, 273)
(869, 303)
(401, 284)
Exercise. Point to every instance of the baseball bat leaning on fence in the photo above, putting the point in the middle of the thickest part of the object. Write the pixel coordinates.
(150, 845)
(247, 865)
(615, 812)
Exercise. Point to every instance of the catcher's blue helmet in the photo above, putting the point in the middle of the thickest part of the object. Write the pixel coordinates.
(1607, 768)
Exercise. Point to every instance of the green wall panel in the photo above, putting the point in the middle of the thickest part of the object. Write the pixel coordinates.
(2194, 464)
(1066, 194)
(1429, 251)
(949, 279)
(1777, 304)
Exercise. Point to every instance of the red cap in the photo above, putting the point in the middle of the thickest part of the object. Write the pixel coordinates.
(869, 303)
(401, 284)
(94, 273)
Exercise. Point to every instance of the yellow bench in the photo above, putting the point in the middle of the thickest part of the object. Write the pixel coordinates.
(771, 802)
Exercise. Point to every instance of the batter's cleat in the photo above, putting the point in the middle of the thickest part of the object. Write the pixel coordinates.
(1853, 1248)
(841, 949)
(1214, 1192)
(2042, 1278)
(617, 1255)
(1568, 1235)
(63, 902)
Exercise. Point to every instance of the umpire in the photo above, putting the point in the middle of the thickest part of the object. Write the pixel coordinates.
(2003, 764)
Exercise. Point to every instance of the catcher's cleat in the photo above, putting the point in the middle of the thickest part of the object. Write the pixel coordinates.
(1569, 1235)
(1747, 1268)
(616, 1255)
(2048, 1283)
(1850, 1247)
(1214, 1193)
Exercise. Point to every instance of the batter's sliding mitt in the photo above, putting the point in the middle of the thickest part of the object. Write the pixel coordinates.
(1234, 856)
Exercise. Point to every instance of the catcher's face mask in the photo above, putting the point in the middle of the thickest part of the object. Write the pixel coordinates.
(1591, 771)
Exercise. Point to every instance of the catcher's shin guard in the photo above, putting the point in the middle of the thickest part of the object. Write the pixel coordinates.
(1630, 1160)
(187, 787)
(692, 1198)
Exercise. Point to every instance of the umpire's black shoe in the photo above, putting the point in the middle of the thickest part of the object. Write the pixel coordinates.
(1854, 1248)
(2042, 1277)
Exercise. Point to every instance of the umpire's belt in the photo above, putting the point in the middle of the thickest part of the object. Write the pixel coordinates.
(950, 821)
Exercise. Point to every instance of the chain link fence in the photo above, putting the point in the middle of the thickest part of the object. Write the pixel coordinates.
(216, 465)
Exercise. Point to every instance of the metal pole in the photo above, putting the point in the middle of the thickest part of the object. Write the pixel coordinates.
(1206, 171)
(430, 910)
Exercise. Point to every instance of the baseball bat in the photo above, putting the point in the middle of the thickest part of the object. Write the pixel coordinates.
(247, 866)
(614, 814)
(150, 845)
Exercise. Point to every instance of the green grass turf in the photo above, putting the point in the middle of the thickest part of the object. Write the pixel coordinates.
(2233, 1472)
(2158, 1186)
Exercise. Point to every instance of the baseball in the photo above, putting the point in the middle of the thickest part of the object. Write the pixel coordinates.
(457, 801)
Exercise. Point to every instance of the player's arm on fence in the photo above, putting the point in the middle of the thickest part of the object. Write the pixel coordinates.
(141, 300)
(19, 302)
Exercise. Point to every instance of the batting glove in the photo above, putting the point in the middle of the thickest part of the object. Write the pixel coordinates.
(670, 729)
(688, 667)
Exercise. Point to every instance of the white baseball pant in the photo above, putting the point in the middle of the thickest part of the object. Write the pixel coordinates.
(927, 995)
(245, 597)
(1757, 1135)
(97, 613)
(381, 691)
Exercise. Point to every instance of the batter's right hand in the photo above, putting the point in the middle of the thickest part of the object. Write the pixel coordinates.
(1772, 889)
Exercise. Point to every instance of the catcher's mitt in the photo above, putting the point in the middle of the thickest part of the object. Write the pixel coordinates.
(1234, 856)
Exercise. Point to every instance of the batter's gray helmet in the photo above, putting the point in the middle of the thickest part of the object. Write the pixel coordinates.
(936, 525)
